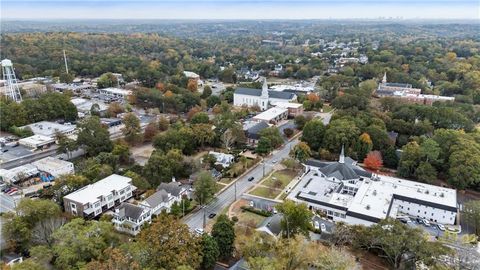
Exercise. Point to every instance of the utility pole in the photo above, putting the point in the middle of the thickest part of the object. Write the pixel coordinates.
(263, 168)
(235, 185)
(65, 58)
(183, 207)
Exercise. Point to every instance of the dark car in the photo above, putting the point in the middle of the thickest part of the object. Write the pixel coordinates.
(250, 179)
(212, 215)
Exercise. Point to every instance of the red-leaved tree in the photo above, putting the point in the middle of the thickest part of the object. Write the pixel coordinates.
(373, 160)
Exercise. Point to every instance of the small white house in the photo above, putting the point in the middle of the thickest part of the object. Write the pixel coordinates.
(162, 200)
(222, 159)
(130, 218)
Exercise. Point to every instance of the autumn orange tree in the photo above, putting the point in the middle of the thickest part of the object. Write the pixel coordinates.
(192, 85)
(373, 160)
(166, 244)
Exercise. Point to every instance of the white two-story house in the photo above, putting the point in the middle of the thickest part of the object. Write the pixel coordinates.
(129, 218)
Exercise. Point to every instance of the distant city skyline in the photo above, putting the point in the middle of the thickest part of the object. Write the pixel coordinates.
(235, 9)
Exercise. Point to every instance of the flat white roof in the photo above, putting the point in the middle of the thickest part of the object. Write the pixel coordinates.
(52, 162)
(377, 195)
(270, 114)
(287, 105)
(190, 74)
(374, 195)
(47, 128)
(104, 187)
(118, 91)
(37, 140)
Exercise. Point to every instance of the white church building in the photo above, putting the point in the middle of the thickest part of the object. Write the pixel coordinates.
(346, 192)
(261, 97)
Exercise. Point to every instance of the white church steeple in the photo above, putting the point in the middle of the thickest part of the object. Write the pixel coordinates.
(384, 80)
(341, 159)
(265, 88)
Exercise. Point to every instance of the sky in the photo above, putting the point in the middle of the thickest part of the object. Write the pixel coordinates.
(236, 9)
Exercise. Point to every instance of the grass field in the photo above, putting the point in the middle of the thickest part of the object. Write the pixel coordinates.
(265, 192)
(249, 219)
(279, 179)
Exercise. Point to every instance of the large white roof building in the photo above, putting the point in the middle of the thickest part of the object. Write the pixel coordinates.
(49, 129)
(92, 200)
(346, 192)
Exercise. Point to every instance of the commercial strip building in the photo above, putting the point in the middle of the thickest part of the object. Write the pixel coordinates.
(94, 199)
(345, 192)
(54, 166)
(115, 92)
(37, 141)
(293, 108)
(47, 168)
(272, 115)
(49, 129)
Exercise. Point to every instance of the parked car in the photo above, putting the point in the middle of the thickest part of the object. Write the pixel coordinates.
(199, 231)
(275, 210)
(250, 179)
(252, 204)
(441, 227)
(212, 215)
(323, 227)
(426, 222)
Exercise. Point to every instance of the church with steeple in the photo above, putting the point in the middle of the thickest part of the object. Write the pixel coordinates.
(345, 192)
(262, 97)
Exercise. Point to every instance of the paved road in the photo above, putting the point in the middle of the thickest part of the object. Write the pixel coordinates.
(224, 199)
(7, 203)
(29, 158)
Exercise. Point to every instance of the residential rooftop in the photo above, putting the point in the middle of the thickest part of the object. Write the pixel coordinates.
(104, 187)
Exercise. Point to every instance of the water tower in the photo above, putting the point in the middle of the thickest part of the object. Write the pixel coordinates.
(11, 87)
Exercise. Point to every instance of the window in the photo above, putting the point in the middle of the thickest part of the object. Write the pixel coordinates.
(418, 211)
(97, 204)
(122, 191)
(73, 206)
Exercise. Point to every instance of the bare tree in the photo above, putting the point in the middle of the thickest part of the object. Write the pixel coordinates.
(43, 230)
(228, 139)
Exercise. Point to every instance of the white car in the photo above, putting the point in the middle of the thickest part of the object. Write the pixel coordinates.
(426, 223)
(199, 231)
(323, 227)
(252, 203)
(441, 227)
(275, 210)
(316, 225)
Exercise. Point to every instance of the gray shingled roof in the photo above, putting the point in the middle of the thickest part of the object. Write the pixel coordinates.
(253, 132)
(342, 171)
(130, 210)
(258, 92)
(157, 198)
(248, 91)
(280, 95)
(172, 188)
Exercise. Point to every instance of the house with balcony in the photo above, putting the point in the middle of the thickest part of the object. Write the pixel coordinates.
(94, 199)
(165, 196)
(129, 218)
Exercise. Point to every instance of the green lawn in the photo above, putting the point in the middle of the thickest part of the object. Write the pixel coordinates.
(279, 179)
(265, 192)
(226, 181)
(218, 187)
